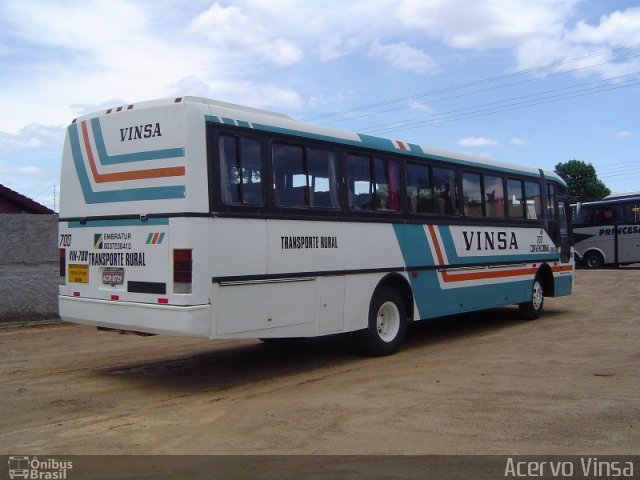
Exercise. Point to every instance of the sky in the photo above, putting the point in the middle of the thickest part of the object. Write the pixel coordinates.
(526, 82)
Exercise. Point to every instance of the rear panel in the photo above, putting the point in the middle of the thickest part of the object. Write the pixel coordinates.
(134, 230)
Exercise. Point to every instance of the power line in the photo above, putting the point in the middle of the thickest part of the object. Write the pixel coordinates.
(493, 107)
(470, 84)
(474, 92)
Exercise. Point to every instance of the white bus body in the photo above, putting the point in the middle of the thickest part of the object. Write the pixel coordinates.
(148, 244)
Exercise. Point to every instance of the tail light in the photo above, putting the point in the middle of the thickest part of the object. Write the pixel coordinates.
(182, 271)
(63, 266)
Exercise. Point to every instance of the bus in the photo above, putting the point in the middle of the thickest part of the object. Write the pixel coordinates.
(188, 216)
(607, 232)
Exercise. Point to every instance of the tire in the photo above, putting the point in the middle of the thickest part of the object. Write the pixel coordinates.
(592, 260)
(387, 324)
(532, 309)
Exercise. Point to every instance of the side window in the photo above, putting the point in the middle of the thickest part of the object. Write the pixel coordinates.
(534, 205)
(419, 192)
(631, 212)
(289, 179)
(240, 170)
(360, 182)
(586, 216)
(494, 196)
(431, 190)
(304, 177)
(445, 191)
(472, 194)
(387, 190)
(373, 183)
(323, 179)
(516, 202)
(607, 214)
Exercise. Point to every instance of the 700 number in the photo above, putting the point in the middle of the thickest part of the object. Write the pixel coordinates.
(65, 240)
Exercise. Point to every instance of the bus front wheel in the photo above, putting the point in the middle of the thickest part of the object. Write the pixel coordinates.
(387, 324)
(532, 309)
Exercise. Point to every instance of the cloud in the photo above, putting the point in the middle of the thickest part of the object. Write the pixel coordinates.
(33, 135)
(616, 29)
(623, 135)
(519, 142)
(478, 142)
(584, 46)
(268, 52)
(483, 25)
(539, 33)
(402, 56)
(419, 106)
(33, 171)
(234, 28)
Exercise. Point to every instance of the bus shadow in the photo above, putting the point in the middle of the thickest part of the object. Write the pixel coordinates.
(228, 364)
(470, 324)
(232, 365)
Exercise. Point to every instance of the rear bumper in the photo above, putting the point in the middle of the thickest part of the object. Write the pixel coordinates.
(191, 321)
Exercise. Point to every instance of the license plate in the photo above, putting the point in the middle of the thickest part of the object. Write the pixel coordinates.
(113, 276)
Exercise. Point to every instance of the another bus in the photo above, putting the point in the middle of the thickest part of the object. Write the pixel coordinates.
(607, 232)
(188, 216)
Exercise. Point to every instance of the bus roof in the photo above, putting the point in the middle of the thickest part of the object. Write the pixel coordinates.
(276, 122)
(622, 196)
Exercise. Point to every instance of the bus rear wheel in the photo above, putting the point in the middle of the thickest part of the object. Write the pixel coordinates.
(532, 309)
(387, 324)
(593, 260)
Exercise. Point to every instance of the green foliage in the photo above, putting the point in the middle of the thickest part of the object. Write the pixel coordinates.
(582, 180)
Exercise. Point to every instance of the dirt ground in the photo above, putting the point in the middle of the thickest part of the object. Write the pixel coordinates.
(486, 383)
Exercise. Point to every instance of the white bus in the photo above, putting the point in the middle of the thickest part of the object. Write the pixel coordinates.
(188, 216)
(607, 232)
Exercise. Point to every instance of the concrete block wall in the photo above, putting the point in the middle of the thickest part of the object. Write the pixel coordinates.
(29, 267)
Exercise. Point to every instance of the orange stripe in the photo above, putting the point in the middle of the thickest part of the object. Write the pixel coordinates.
(154, 240)
(432, 232)
(562, 268)
(122, 176)
(462, 277)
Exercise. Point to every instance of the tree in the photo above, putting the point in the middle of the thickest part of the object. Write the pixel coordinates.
(582, 180)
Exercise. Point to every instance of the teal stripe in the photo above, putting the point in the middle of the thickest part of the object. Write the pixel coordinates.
(563, 285)
(122, 222)
(432, 301)
(415, 148)
(378, 143)
(416, 252)
(106, 159)
(127, 195)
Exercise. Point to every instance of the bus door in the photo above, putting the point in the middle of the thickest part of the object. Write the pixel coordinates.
(559, 220)
(628, 234)
(564, 218)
